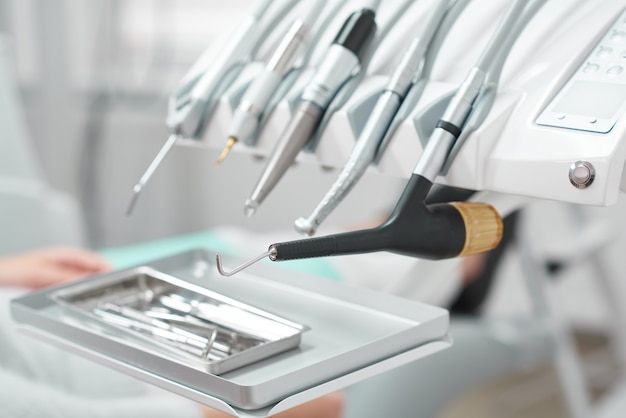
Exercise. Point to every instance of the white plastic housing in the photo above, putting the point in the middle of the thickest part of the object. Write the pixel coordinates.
(510, 152)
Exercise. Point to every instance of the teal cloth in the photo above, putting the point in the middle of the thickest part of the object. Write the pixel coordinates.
(132, 255)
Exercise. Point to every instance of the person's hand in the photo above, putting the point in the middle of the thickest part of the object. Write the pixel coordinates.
(328, 406)
(49, 266)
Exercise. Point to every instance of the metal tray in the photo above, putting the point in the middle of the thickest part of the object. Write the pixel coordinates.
(354, 333)
(162, 312)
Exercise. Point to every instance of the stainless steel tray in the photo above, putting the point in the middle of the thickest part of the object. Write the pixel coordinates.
(161, 312)
(354, 333)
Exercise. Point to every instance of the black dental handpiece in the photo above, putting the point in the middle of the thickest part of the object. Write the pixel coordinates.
(435, 231)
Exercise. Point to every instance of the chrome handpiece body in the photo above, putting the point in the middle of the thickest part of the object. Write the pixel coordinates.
(288, 55)
(340, 63)
(377, 124)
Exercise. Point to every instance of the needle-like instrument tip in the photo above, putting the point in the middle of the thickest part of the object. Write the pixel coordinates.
(250, 207)
(133, 201)
(305, 226)
(165, 149)
(229, 145)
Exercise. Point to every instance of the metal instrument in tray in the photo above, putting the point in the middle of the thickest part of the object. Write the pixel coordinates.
(164, 313)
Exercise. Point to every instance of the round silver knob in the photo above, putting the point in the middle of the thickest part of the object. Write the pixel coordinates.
(582, 174)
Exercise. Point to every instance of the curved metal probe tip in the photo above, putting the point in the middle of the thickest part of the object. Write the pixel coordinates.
(229, 145)
(218, 261)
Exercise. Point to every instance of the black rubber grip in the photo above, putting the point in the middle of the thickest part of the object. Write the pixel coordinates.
(306, 248)
(357, 31)
(450, 127)
(356, 242)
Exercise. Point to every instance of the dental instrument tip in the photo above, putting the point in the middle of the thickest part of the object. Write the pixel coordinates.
(271, 253)
(147, 175)
(133, 201)
(305, 226)
(250, 207)
(229, 145)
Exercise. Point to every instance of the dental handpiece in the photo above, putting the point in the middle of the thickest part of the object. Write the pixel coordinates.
(450, 126)
(341, 62)
(194, 98)
(377, 124)
(254, 102)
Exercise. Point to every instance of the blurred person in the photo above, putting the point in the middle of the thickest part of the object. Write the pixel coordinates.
(50, 266)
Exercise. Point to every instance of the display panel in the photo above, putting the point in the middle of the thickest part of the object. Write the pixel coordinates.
(592, 99)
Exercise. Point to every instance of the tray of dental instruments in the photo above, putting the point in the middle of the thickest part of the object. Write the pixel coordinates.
(164, 312)
(250, 340)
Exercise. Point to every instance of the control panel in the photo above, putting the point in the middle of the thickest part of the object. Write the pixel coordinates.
(595, 97)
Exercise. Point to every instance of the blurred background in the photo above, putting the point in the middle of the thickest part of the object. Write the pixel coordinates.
(89, 82)
(94, 79)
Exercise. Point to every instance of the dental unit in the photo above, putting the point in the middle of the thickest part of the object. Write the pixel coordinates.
(428, 231)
